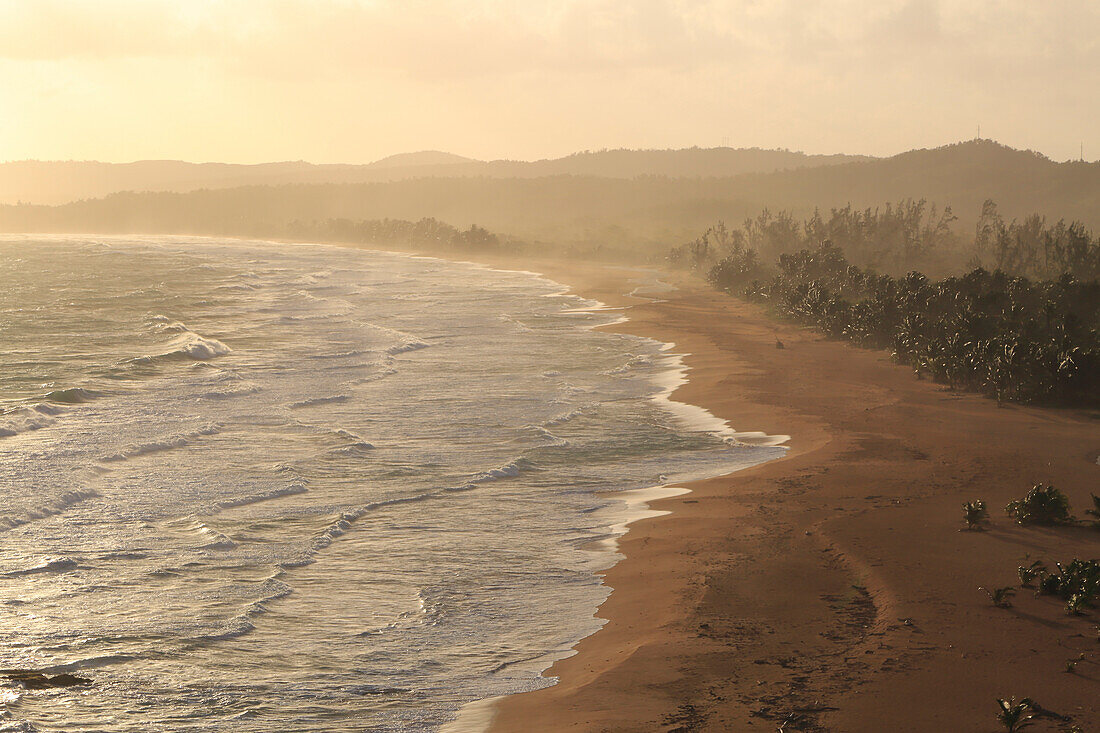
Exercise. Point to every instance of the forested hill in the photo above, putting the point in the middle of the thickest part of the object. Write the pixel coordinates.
(647, 212)
(46, 182)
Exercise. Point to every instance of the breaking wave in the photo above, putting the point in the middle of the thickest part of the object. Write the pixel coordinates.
(72, 396)
(167, 443)
(57, 506)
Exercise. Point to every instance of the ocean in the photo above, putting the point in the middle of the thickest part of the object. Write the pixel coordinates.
(249, 486)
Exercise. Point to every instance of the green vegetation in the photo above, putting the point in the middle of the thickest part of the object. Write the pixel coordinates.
(1041, 505)
(974, 513)
(895, 238)
(426, 232)
(1034, 249)
(1001, 597)
(1095, 511)
(992, 332)
(1014, 715)
(1077, 583)
(1028, 573)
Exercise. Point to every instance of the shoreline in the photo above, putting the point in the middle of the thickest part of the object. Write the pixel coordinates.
(832, 588)
(479, 716)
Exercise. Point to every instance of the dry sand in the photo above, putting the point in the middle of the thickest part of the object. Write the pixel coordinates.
(833, 588)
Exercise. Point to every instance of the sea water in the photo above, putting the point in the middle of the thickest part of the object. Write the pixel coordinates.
(249, 486)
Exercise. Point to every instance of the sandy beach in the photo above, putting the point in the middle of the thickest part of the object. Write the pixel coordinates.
(833, 589)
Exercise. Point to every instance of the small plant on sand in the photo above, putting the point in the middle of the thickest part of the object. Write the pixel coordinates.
(974, 513)
(1042, 505)
(1095, 511)
(1028, 573)
(1071, 666)
(1001, 597)
(1014, 715)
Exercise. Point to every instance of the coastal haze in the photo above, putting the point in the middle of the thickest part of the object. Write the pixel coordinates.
(688, 365)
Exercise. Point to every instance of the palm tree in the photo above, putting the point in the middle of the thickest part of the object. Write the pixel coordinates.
(1014, 715)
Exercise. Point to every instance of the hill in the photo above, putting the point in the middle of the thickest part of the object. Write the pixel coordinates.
(647, 212)
(49, 182)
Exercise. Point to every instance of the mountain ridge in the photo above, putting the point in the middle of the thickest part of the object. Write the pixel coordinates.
(59, 182)
(649, 211)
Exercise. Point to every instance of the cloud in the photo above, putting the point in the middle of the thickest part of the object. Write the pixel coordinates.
(442, 39)
(837, 74)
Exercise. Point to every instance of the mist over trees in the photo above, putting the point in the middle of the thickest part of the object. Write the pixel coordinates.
(1022, 325)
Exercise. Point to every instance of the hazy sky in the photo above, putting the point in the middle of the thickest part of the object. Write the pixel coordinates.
(355, 80)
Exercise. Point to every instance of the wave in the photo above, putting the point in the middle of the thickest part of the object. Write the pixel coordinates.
(374, 377)
(188, 345)
(549, 439)
(57, 506)
(215, 540)
(193, 526)
(319, 401)
(570, 415)
(359, 449)
(640, 360)
(242, 623)
(338, 354)
(45, 408)
(349, 516)
(72, 396)
(508, 470)
(27, 419)
(8, 725)
(103, 660)
(230, 393)
(236, 288)
(357, 445)
(168, 443)
(200, 347)
(412, 345)
(291, 490)
(164, 323)
(56, 565)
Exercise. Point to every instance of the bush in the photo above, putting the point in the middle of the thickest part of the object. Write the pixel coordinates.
(1078, 584)
(1042, 505)
(1095, 511)
(974, 513)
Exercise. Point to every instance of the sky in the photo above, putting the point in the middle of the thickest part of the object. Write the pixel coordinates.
(355, 80)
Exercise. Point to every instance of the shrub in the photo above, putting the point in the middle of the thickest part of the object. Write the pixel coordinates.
(1000, 596)
(1028, 573)
(1078, 584)
(1042, 505)
(974, 513)
(1015, 715)
(1095, 511)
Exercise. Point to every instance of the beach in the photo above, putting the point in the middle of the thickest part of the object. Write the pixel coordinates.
(455, 444)
(835, 588)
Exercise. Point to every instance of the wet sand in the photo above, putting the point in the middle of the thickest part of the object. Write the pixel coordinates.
(832, 589)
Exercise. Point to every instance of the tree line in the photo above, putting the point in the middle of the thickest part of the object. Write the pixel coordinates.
(426, 232)
(1026, 330)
